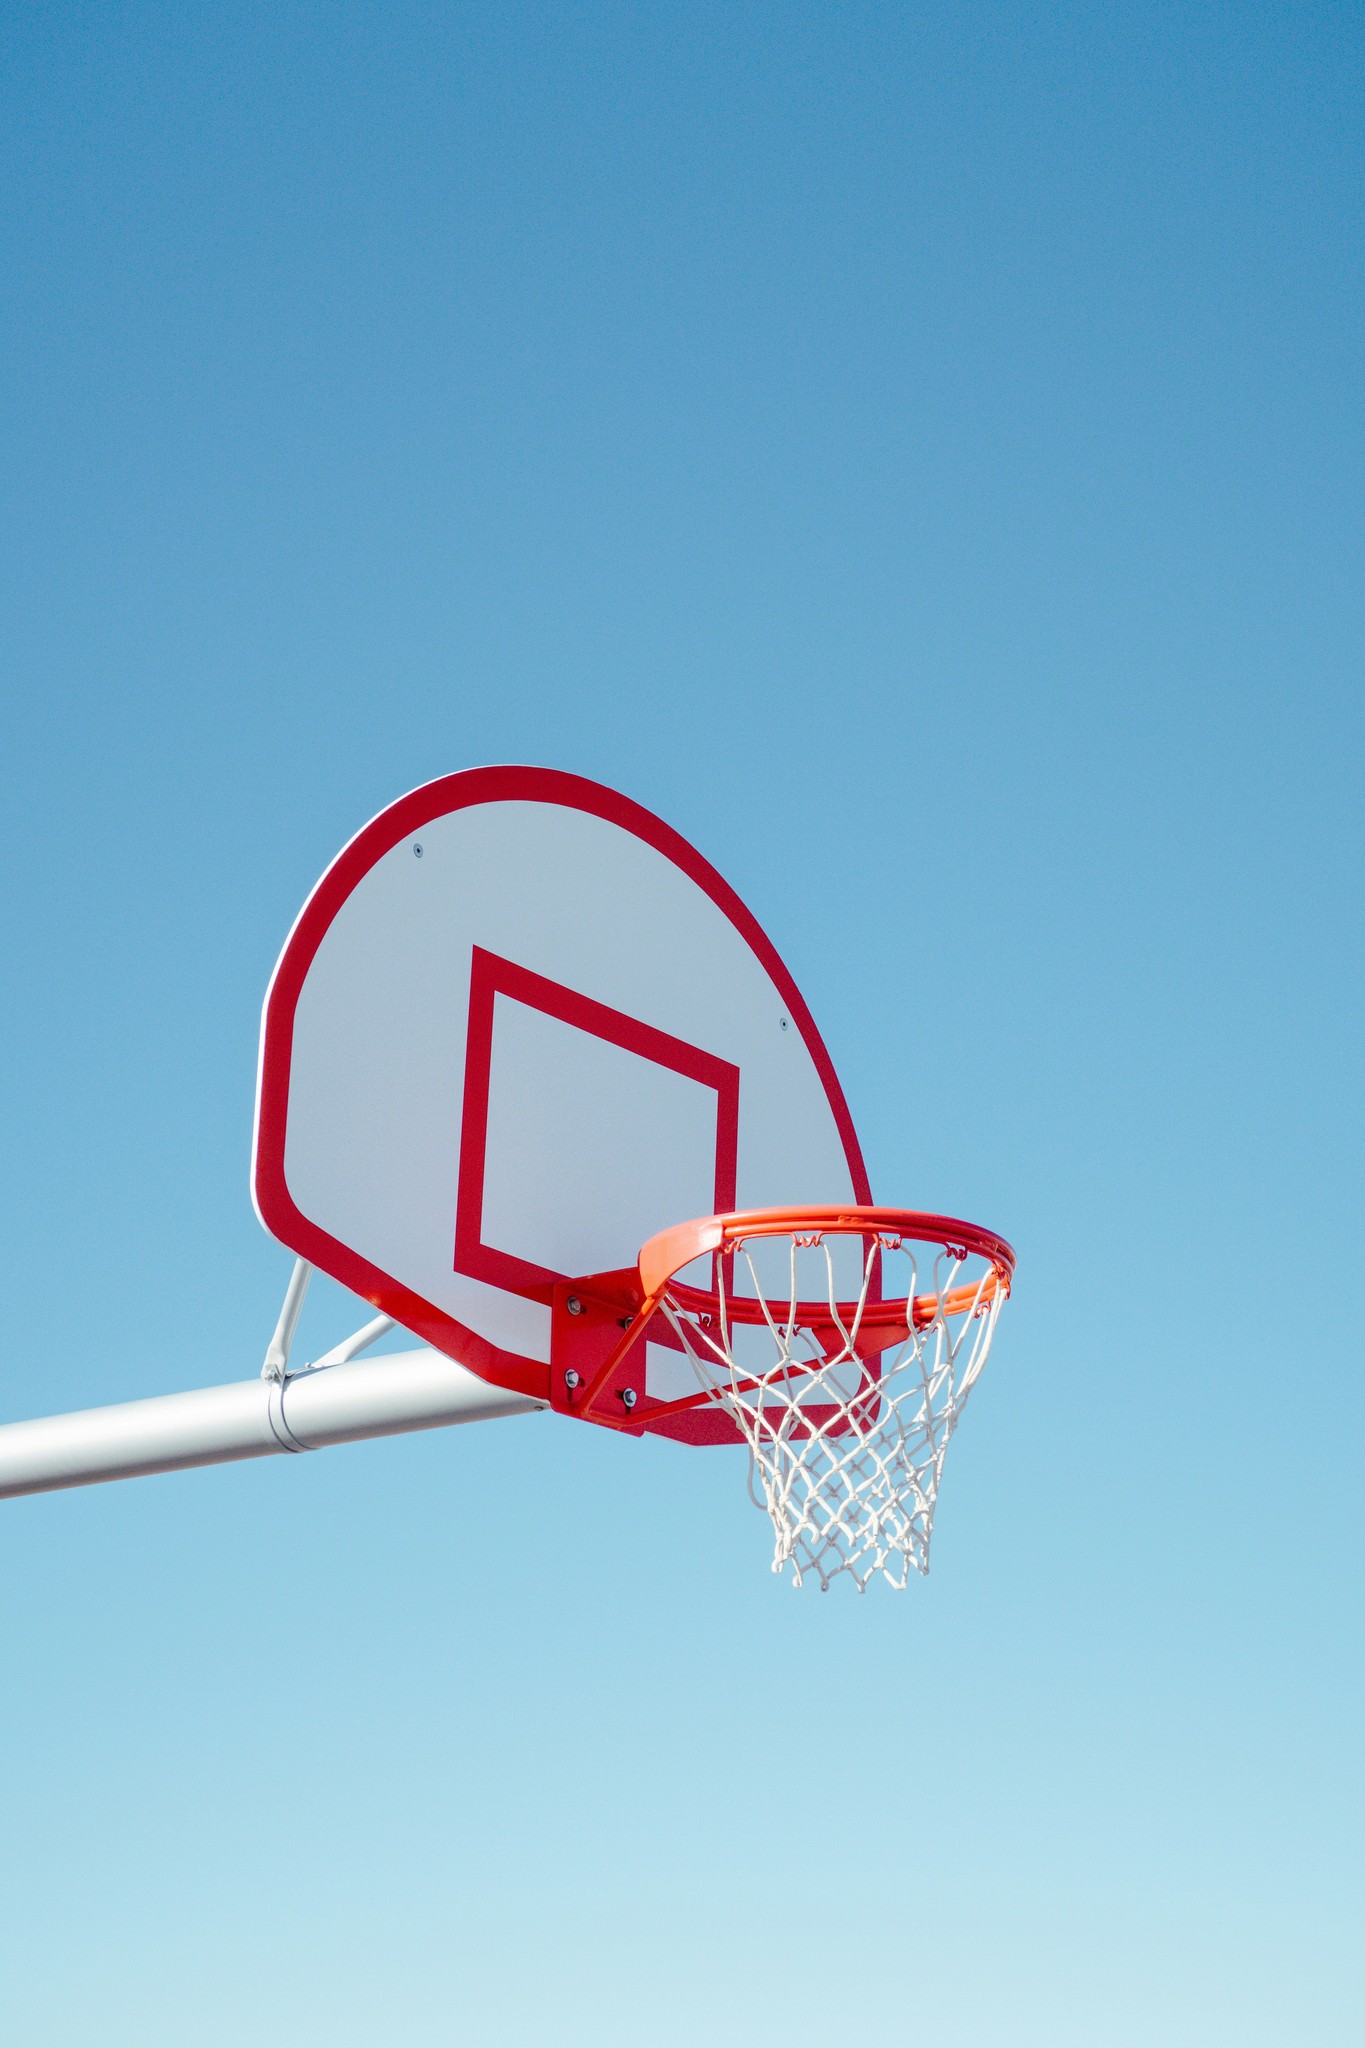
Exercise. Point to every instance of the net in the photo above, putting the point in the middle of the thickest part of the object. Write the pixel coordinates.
(844, 1357)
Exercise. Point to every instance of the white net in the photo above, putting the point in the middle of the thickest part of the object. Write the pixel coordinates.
(845, 1363)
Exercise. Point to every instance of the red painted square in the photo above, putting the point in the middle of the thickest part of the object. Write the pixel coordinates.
(491, 977)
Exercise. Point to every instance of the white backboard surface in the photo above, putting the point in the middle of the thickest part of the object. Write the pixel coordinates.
(519, 1027)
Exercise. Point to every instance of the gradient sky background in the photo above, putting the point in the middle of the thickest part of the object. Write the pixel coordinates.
(918, 452)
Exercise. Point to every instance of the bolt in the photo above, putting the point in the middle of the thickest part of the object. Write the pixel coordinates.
(574, 1305)
(417, 848)
(783, 1022)
(628, 1396)
(571, 1379)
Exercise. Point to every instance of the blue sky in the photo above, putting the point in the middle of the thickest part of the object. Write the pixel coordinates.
(917, 451)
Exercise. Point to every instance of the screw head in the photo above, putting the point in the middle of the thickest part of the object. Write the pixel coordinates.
(417, 848)
(571, 1379)
(574, 1305)
(628, 1396)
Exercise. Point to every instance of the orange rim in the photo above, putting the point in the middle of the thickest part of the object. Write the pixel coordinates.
(671, 1250)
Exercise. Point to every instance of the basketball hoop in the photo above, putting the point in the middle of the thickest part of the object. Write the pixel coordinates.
(844, 1372)
(476, 1160)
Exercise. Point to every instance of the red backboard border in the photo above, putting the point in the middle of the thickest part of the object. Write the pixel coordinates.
(270, 1192)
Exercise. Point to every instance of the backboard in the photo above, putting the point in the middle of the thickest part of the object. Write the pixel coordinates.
(519, 1027)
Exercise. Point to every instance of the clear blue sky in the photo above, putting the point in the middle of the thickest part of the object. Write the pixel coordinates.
(917, 451)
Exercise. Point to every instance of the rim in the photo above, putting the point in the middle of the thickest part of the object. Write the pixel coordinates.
(880, 1322)
(666, 1254)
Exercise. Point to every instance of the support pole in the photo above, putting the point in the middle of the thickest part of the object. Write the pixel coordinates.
(334, 1404)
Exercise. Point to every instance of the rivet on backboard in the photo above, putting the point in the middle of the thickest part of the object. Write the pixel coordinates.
(574, 1305)
(571, 1379)
(783, 1022)
(628, 1396)
(417, 848)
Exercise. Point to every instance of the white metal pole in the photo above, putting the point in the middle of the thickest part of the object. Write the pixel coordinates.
(333, 1404)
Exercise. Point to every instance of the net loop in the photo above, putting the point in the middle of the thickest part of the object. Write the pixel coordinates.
(844, 1379)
